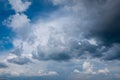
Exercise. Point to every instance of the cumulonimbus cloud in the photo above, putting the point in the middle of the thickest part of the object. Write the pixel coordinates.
(65, 37)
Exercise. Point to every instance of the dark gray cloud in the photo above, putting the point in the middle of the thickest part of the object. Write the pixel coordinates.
(19, 60)
(3, 65)
(75, 50)
(61, 56)
(107, 30)
(107, 26)
(113, 53)
(54, 56)
(18, 50)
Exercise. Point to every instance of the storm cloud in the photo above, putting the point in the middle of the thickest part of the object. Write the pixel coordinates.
(92, 33)
(71, 39)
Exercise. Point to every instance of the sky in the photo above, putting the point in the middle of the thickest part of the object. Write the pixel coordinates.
(65, 39)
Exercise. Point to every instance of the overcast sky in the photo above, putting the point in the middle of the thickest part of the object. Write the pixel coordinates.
(66, 39)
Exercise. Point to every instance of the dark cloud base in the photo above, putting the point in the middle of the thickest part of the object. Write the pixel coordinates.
(20, 60)
(3, 65)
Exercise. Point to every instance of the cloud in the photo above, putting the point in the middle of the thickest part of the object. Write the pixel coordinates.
(58, 38)
(92, 42)
(103, 71)
(52, 73)
(54, 56)
(19, 5)
(112, 53)
(48, 73)
(61, 38)
(88, 68)
(106, 27)
(76, 71)
(17, 21)
(57, 2)
(3, 65)
(19, 60)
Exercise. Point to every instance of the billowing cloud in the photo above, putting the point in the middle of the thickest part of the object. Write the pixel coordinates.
(81, 32)
(62, 38)
(19, 5)
(88, 68)
(17, 21)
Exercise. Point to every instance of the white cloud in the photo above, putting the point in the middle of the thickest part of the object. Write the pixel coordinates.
(19, 5)
(93, 42)
(47, 73)
(103, 71)
(17, 21)
(22, 48)
(88, 68)
(11, 56)
(76, 71)
(52, 73)
(12, 73)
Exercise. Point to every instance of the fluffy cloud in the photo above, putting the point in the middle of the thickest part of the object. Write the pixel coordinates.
(17, 21)
(88, 68)
(19, 5)
(76, 71)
